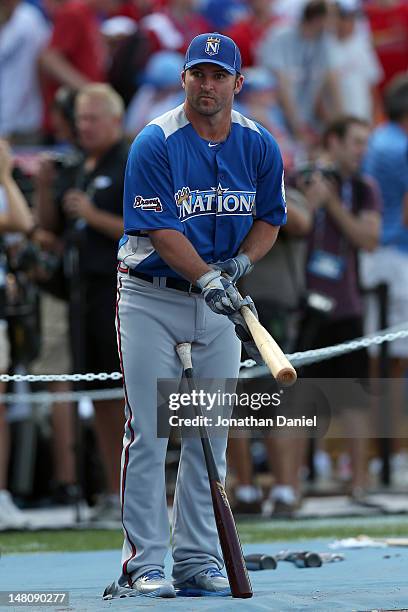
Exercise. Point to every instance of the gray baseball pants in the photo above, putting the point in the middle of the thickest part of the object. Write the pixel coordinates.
(150, 321)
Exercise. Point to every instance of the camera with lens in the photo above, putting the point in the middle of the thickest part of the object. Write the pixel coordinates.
(65, 160)
(306, 173)
(22, 307)
(29, 257)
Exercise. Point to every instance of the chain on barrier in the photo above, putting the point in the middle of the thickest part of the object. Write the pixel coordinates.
(302, 358)
(46, 397)
(249, 369)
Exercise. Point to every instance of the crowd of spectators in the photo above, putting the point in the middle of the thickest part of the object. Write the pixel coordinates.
(322, 63)
(80, 78)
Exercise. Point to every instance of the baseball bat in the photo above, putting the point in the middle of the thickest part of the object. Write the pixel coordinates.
(384, 541)
(227, 532)
(327, 557)
(257, 562)
(394, 541)
(300, 559)
(282, 370)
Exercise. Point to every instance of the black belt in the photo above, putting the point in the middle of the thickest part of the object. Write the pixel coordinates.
(171, 283)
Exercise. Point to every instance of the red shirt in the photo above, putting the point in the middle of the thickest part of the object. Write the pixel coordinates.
(389, 26)
(77, 37)
(248, 34)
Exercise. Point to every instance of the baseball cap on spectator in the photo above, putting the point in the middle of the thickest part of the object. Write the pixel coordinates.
(214, 48)
(163, 69)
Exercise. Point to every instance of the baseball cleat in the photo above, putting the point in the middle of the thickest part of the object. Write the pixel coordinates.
(210, 582)
(154, 584)
(150, 584)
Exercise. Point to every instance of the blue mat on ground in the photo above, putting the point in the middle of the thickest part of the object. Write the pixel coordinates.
(367, 579)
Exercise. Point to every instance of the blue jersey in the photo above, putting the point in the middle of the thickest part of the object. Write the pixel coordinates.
(209, 192)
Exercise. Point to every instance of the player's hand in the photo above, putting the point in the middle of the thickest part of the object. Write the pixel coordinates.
(243, 333)
(235, 267)
(77, 204)
(219, 293)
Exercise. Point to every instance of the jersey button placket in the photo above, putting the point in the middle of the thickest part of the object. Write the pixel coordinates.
(220, 173)
(220, 178)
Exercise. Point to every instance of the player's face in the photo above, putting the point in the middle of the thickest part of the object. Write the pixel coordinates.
(210, 89)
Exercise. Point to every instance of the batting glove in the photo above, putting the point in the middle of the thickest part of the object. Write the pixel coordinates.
(243, 333)
(219, 293)
(235, 267)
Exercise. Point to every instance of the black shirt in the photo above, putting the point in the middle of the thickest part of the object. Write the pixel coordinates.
(3, 275)
(104, 186)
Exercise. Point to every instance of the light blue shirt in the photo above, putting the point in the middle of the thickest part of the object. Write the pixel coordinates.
(387, 162)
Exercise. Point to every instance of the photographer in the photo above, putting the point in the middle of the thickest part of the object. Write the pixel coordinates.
(345, 219)
(15, 216)
(282, 267)
(86, 212)
(346, 222)
(56, 172)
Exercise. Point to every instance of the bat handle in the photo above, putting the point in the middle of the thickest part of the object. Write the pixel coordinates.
(277, 362)
(184, 353)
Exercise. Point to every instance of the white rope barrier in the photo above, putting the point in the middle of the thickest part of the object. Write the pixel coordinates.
(302, 358)
(249, 369)
(45, 397)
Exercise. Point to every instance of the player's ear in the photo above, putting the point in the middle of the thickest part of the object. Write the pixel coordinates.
(239, 81)
(183, 78)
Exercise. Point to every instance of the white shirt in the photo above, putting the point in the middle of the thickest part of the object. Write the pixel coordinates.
(305, 63)
(292, 11)
(358, 71)
(22, 38)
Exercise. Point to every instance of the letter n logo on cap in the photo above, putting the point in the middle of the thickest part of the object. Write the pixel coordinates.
(212, 45)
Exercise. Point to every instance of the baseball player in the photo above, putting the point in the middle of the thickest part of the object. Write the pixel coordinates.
(204, 194)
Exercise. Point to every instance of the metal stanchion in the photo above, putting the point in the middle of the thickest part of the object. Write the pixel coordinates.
(73, 273)
(385, 442)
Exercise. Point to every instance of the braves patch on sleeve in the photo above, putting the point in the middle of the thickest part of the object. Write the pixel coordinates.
(148, 203)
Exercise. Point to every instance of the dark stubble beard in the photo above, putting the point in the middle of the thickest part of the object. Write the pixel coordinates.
(205, 110)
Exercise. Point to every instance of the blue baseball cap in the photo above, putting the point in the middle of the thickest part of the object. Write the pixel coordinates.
(214, 48)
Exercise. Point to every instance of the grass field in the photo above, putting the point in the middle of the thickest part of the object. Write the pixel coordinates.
(250, 532)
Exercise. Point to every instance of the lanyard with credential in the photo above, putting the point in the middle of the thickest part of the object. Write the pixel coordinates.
(322, 263)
